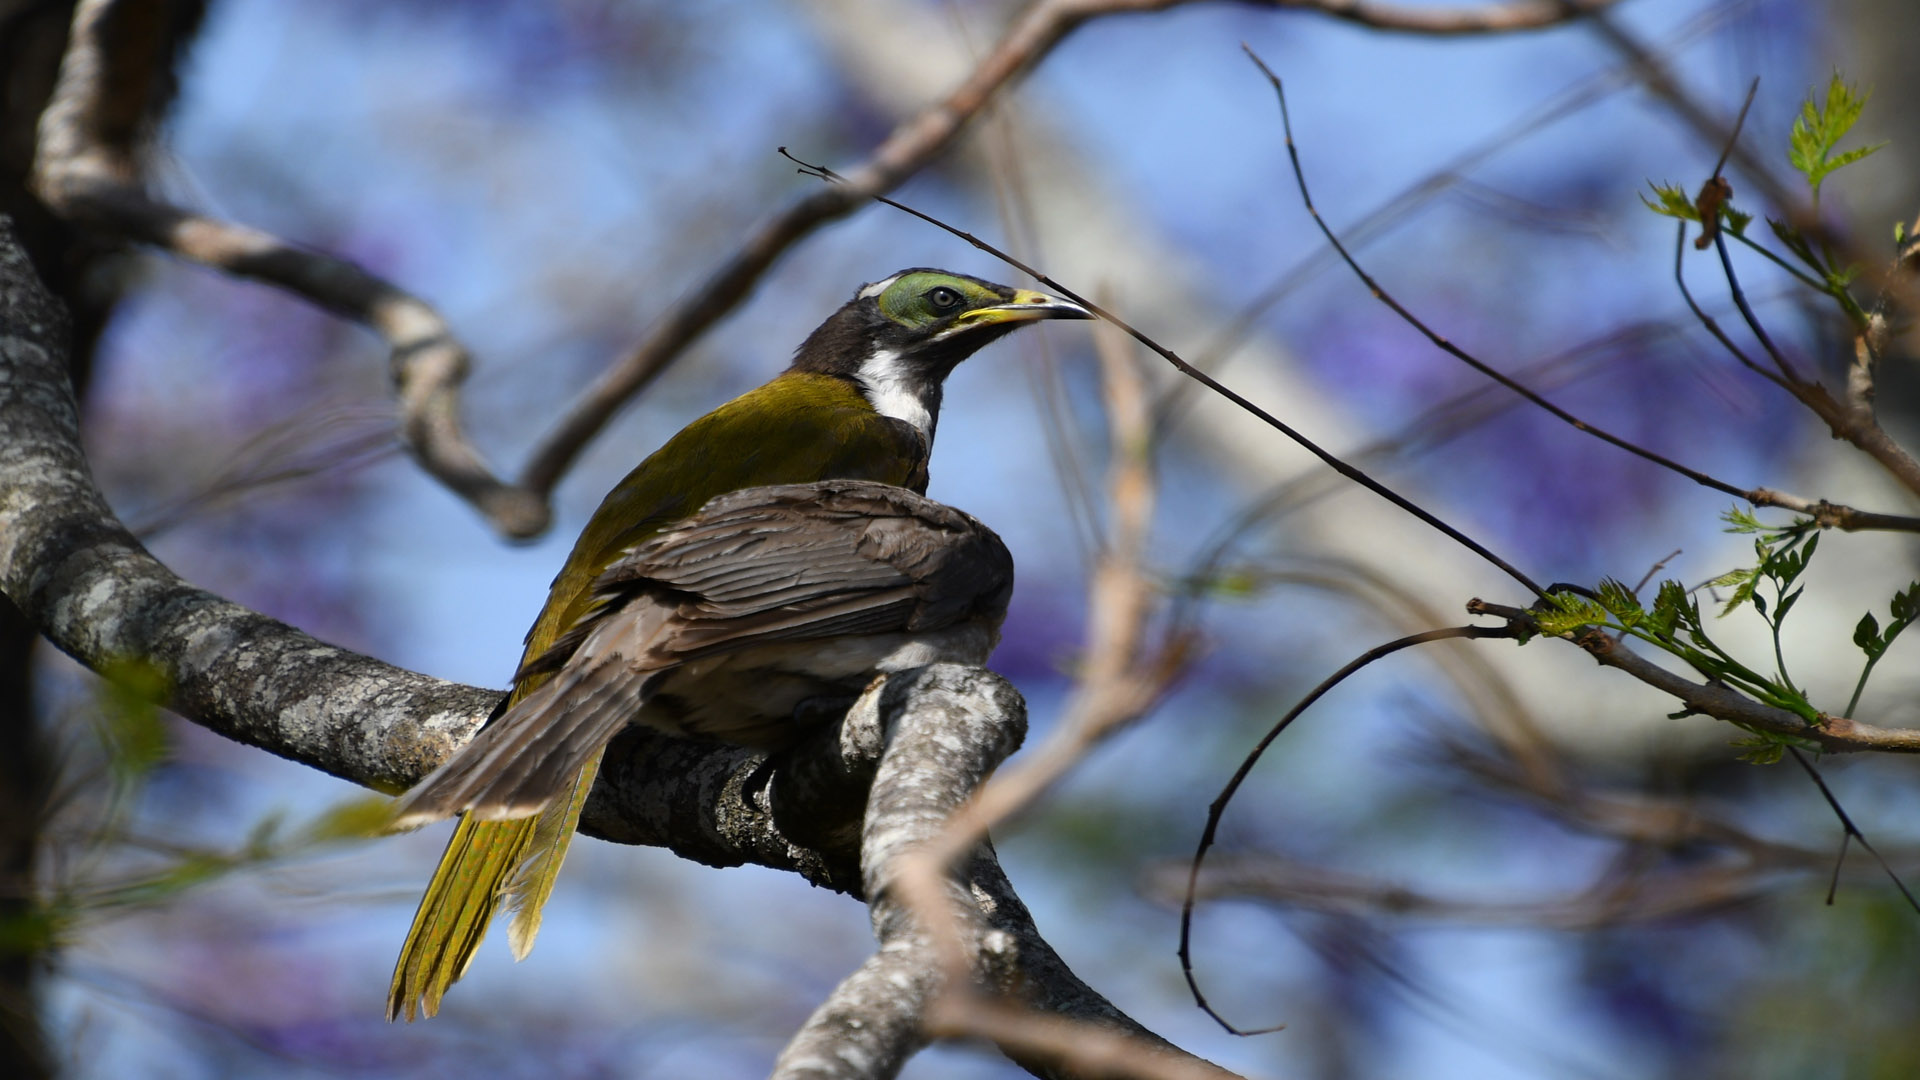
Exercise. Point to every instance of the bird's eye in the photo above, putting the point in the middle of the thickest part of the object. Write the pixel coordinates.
(943, 298)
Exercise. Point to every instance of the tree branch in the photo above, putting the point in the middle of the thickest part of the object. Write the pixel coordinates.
(987, 971)
(1835, 734)
(1493, 18)
(87, 169)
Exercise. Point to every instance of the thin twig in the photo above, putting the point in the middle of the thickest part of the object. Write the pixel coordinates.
(1217, 809)
(1713, 326)
(1851, 831)
(1444, 344)
(1333, 462)
(1787, 370)
(1647, 897)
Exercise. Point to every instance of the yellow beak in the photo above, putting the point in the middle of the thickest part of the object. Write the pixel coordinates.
(1026, 306)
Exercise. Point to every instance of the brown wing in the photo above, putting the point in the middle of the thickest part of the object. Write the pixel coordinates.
(755, 567)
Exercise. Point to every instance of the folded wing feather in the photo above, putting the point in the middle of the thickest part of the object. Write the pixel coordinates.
(752, 568)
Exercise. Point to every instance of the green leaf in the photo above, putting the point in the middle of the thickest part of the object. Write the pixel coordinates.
(1819, 129)
(1670, 200)
(1786, 605)
(1906, 604)
(1866, 634)
(1736, 221)
(1668, 605)
(1853, 155)
(1759, 750)
(1742, 521)
(1619, 601)
(1573, 612)
(1743, 581)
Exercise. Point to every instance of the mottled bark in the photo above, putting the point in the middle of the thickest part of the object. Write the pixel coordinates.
(86, 272)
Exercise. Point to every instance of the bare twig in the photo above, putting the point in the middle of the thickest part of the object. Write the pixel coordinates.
(1713, 326)
(1635, 898)
(1331, 460)
(1849, 831)
(1780, 361)
(1217, 809)
(1068, 1048)
(1850, 427)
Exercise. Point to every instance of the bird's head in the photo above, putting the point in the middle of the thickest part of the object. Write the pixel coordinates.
(900, 337)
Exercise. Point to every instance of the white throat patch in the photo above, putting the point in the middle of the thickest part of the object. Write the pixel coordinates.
(894, 392)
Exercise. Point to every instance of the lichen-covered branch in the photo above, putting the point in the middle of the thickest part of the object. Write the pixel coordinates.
(946, 728)
(94, 591)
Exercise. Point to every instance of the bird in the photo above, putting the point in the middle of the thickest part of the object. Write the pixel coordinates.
(776, 549)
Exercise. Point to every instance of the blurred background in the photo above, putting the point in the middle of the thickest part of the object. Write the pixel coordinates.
(553, 174)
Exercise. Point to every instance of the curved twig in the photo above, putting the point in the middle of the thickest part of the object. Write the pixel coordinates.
(1218, 808)
(87, 169)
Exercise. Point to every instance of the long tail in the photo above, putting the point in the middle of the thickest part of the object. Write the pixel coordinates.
(453, 915)
(485, 861)
(538, 760)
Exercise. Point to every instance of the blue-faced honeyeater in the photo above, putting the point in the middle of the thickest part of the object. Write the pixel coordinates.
(740, 611)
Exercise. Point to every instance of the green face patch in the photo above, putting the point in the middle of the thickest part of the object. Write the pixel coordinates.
(921, 299)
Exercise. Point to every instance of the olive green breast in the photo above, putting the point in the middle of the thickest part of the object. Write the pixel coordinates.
(798, 428)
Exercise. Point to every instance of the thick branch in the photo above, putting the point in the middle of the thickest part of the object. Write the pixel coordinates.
(90, 587)
(88, 169)
(946, 728)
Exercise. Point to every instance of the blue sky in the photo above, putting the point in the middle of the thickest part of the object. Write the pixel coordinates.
(552, 176)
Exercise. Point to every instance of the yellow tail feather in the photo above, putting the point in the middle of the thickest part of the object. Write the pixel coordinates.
(484, 861)
(528, 892)
(454, 913)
